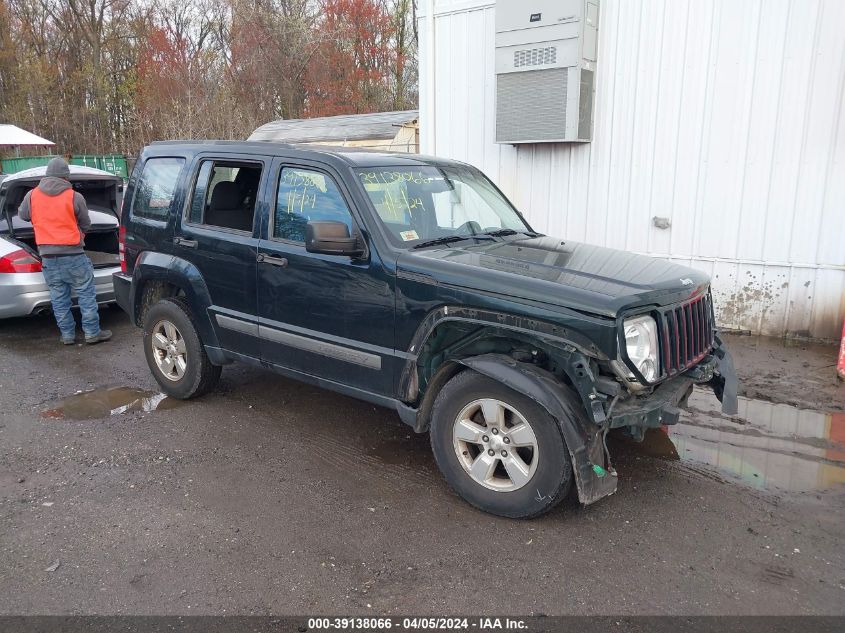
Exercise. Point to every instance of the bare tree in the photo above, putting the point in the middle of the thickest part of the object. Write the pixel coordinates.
(111, 75)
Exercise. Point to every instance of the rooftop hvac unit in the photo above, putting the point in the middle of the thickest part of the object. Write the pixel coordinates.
(545, 64)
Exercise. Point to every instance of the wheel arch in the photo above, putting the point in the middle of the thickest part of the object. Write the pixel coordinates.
(450, 335)
(157, 276)
(568, 393)
(583, 438)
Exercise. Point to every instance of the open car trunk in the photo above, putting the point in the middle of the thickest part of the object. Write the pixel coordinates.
(101, 247)
(103, 197)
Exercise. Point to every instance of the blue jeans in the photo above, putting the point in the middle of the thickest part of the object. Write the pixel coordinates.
(66, 274)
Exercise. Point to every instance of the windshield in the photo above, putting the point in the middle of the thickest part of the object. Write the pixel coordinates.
(419, 204)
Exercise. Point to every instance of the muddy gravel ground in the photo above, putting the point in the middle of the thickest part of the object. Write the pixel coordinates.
(270, 497)
(797, 373)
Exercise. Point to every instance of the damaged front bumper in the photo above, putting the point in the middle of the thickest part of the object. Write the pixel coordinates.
(663, 405)
(585, 433)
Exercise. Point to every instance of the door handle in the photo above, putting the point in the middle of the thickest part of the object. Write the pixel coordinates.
(181, 241)
(273, 261)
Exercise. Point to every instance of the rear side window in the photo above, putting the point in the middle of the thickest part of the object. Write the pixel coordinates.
(225, 194)
(156, 188)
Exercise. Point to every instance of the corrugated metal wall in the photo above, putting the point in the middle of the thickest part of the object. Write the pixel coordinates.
(725, 116)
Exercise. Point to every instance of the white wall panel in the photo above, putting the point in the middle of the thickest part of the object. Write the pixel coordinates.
(726, 117)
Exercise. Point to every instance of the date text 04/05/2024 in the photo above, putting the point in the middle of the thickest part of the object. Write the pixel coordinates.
(417, 623)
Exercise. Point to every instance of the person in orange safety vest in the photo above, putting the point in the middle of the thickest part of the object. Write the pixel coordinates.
(59, 217)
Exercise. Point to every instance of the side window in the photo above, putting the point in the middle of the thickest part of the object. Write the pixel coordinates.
(224, 194)
(306, 195)
(156, 188)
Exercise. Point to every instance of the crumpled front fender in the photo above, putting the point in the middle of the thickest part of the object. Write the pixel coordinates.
(582, 437)
(724, 383)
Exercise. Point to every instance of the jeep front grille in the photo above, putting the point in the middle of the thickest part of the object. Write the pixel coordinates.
(687, 332)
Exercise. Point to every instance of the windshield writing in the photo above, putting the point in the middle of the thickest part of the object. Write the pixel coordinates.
(428, 203)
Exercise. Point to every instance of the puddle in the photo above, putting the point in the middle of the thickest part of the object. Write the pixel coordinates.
(104, 402)
(767, 446)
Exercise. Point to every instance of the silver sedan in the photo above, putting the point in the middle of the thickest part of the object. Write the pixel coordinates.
(23, 290)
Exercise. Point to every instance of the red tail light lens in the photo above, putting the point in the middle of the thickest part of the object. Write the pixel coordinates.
(121, 247)
(19, 261)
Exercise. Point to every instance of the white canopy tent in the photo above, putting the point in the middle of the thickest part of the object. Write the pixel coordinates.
(15, 137)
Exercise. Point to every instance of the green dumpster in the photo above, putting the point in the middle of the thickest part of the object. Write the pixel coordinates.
(112, 163)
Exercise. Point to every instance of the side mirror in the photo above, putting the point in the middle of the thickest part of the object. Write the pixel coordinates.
(331, 238)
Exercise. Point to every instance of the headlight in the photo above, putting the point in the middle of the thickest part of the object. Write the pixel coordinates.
(641, 345)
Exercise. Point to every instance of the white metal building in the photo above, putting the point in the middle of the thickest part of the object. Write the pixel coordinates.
(725, 117)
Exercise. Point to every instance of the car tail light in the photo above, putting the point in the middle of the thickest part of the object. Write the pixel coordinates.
(121, 247)
(19, 261)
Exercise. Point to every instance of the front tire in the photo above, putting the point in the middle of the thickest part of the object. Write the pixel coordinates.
(498, 449)
(175, 353)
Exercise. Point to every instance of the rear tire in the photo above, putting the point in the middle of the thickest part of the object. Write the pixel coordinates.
(529, 470)
(175, 353)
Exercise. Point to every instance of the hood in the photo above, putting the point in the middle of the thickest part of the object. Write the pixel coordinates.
(548, 270)
(53, 186)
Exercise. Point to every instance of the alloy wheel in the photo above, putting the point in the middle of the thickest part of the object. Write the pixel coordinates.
(169, 350)
(495, 444)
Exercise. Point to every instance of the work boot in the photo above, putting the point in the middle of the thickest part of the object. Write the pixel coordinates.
(103, 335)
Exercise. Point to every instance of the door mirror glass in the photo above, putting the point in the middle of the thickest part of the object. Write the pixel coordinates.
(331, 238)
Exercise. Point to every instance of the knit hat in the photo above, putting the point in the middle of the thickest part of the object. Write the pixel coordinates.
(57, 168)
